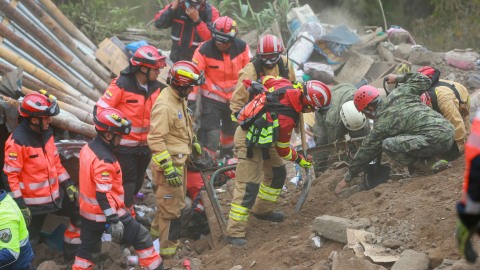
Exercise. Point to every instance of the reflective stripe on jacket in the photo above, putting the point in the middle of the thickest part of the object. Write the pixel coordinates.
(32, 166)
(101, 186)
(126, 95)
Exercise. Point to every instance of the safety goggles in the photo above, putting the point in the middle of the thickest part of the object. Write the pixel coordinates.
(222, 37)
(269, 59)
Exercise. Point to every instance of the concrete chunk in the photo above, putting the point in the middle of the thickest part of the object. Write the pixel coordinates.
(412, 260)
(348, 261)
(334, 228)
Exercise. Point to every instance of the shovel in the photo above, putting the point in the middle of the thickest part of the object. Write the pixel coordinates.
(308, 181)
(375, 174)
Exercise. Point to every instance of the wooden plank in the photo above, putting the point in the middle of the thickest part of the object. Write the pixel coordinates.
(6, 20)
(215, 229)
(356, 67)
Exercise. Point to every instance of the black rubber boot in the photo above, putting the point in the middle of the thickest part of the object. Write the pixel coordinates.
(237, 241)
(275, 216)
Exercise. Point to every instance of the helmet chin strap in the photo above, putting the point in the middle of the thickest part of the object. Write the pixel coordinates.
(112, 141)
(147, 74)
(41, 126)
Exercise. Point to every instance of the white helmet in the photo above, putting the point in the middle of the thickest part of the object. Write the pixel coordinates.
(351, 117)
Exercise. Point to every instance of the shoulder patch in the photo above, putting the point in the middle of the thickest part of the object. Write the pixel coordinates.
(180, 115)
(5, 235)
(12, 156)
(108, 94)
(105, 175)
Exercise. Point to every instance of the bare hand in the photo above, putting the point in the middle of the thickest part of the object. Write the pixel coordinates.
(341, 186)
(192, 12)
(176, 4)
(391, 78)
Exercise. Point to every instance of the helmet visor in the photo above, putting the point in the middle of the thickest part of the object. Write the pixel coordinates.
(222, 37)
(269, 59)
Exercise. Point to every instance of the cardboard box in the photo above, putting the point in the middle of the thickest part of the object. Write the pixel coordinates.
(113, 54)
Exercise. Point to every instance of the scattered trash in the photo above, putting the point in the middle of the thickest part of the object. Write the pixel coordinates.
(464, 59)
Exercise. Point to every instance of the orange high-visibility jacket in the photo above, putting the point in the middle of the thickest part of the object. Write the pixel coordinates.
(33, 168)
(221, 69)
(101, 189)
(126, 95)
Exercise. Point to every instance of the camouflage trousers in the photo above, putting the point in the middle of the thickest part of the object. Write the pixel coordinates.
(408, 148)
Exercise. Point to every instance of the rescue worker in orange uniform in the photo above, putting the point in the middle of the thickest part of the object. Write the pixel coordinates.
(102, 198)
(34, 175)
(469, 207)
(133, 93)
(221, 58)
(171, 140)
(253, 146)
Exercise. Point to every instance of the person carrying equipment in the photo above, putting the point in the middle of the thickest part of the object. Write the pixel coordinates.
(133, 93)
(34, 175)
(15, 249)
(221, 58)
(404, 128)
(102, 198)
(171, 140)
(260, 128)
(452, 101)
(268, 61)
(332, 125)
(191, 22)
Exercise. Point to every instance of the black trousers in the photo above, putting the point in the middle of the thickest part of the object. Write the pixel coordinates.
(133, 167)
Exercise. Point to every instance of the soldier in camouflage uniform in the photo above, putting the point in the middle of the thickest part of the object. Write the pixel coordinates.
(404, 128)
(329, 127)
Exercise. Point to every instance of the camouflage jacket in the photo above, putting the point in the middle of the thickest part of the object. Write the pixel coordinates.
(402, 113)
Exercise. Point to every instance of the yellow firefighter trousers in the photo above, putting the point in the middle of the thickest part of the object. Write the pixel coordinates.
(167, 225)
(251, 192)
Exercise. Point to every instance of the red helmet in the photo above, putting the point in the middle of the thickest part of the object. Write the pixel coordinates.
(148, 56)
(316, 95)
(426, 99)
(269, 49)
(39, 105)
(365, 95)
(112, 120)
(432, 73)
(231, 161)
(184, 74)
(225, 30)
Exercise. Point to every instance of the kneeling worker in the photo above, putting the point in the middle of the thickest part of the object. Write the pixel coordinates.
(102, 197)
(171, 140)
(253, 148)
(404, 128)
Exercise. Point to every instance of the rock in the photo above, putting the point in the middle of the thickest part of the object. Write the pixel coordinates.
(295, 222)
(374, 219)
(321, 265)
(446, 264)
(436, 257)
(117, 265)
(393, 244)
(43, 254)
(317, 241)
(110, 250)
(48, 265)
(334, 228)
(399, 38)
(332, 255)
(350, 261)
(369, 238)
(340, 165)
(202, 245)
(365, 221)
(411, 260)
(385, 53)
(438, 61)
(251, 38)
(195, 263)
(237, 267)
(347, 192)
(421, 58)
(108, 262)
(464, 265)
(150, 200)
(451, 77)
(403, 51)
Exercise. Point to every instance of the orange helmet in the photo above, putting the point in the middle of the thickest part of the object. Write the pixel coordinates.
(269, 50)
(39, 105)
(224, 30)
(112, 120)
(184, 74)
(148, 56)
(365, 95)
(426, 99)
(316, 95)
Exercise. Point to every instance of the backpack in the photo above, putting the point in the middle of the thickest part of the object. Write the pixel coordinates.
(433, 94)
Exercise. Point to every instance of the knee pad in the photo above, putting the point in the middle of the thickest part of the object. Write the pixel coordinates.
(251, 192)
(279, 176)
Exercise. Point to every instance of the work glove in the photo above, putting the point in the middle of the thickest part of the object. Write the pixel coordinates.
(303, 163)
(72, 193)
(464, 242)
(116, 230)
(27, 215)
(172, 174)
(197, 145)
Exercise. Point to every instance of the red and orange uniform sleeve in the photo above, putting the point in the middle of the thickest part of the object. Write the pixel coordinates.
(282, 145)
(14, 158)
(111, 98)
(102, 176)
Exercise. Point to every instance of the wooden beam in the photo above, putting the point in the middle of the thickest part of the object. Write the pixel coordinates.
(6, 20)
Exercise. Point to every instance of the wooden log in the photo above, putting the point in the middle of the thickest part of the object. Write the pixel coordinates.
(79, 113)
(61, 121)
(43, 75)
(334, 146)
(50, 43)
(47, 61)
(67, 24)
(36, 85)
(215, 229)
(62, 35)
